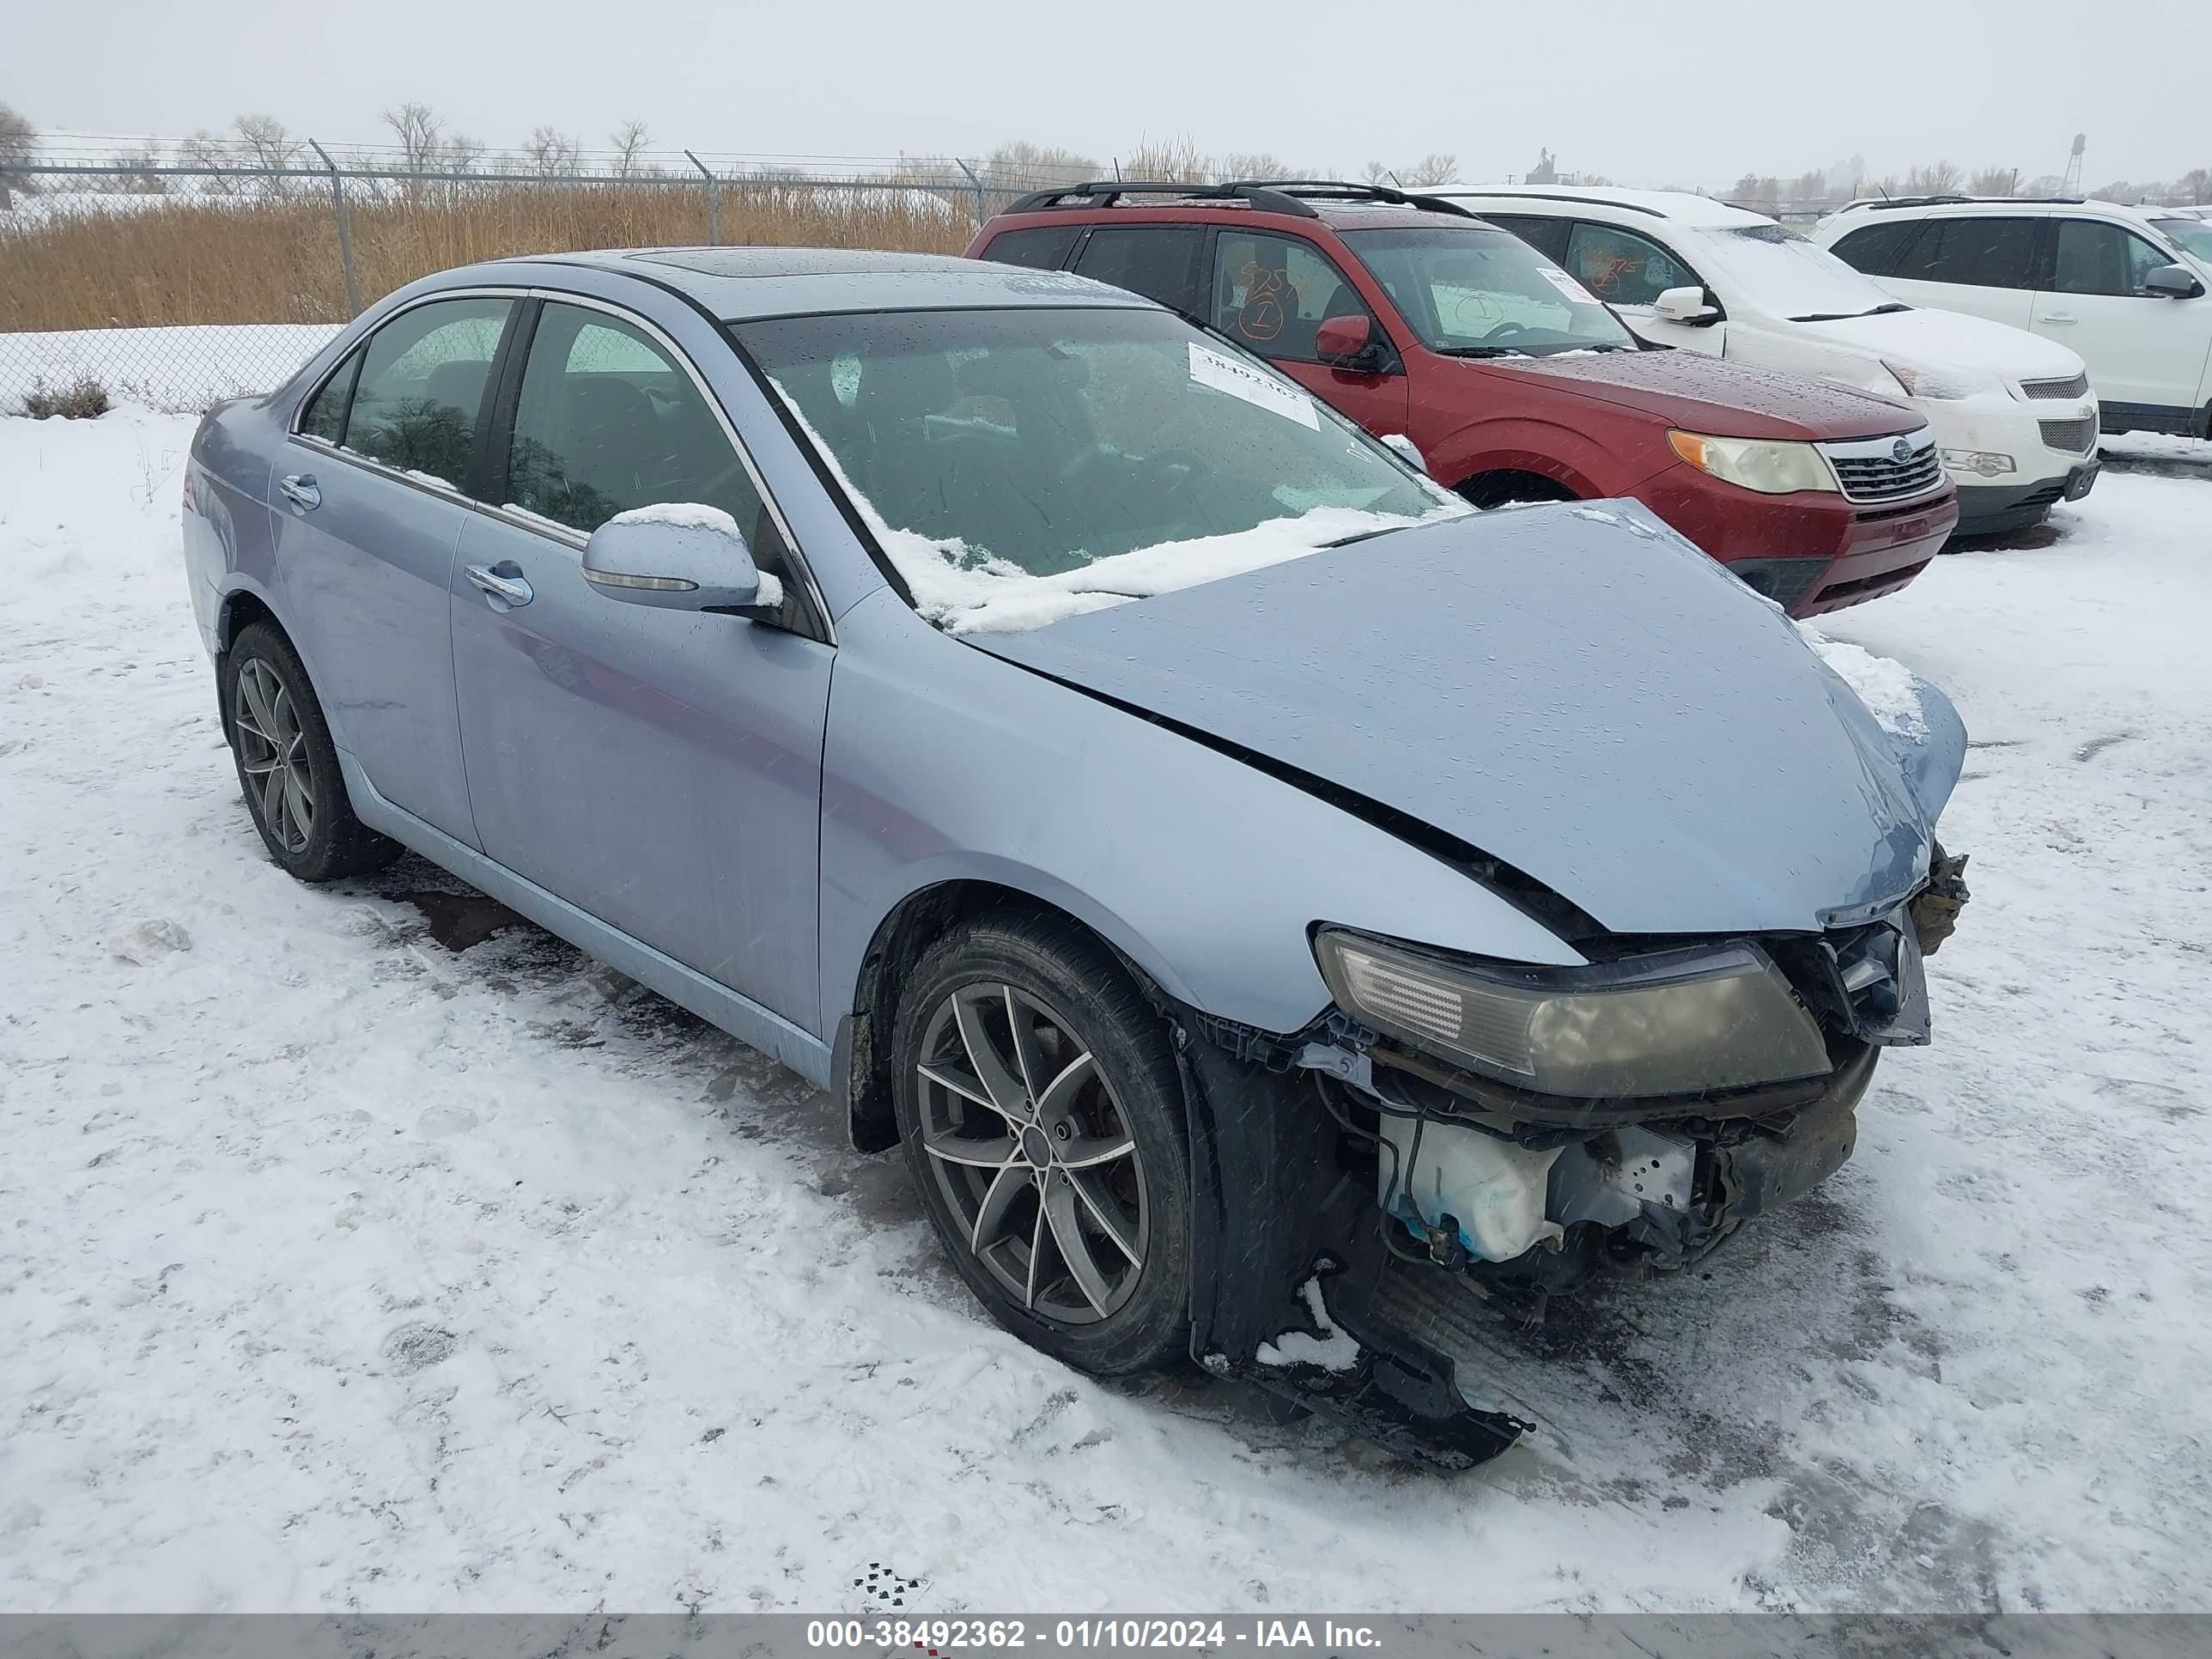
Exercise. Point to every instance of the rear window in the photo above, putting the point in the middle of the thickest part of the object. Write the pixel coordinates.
(1972, 251)
(1874, 249)
(1157, 261)
(1040, 247)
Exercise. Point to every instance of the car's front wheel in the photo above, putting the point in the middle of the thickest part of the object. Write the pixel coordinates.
(1041, 1113)
(289, 766)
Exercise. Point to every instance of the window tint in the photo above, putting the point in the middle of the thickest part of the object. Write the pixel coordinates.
(1874, 249)
(1623, 268)
(1157, 261)
(1547, 236)
(2101, 258)
(607, 420)
(422, 387)
(1973, 252)
(1040, 247)
(1272, 293)
(325, 416)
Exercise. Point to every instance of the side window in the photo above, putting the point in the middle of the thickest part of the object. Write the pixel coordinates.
(1547, 236)
(2094, 258)
(608, 421)
(421, 387)
(325, 416)
(1876, 249)
(1040, 247)
(1622, 268)
(1157, 261)
(1973, 252)
(1272, 293)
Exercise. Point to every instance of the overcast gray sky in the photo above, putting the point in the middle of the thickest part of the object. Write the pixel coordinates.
(1662, 91)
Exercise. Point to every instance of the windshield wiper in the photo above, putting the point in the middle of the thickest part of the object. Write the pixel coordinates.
(1846, 316)
(1480, 351)
(1366, 535)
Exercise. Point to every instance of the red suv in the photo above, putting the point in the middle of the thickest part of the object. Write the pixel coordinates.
(1423, 322)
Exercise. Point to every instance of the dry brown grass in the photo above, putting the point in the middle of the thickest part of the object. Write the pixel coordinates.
(239, 260)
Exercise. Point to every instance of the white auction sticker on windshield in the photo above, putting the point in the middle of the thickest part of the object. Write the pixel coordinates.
(1568, 286)
(1255, 385)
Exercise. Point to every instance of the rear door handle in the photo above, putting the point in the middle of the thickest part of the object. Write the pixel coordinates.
(503, 582)
(302, 490)
(2062, 319)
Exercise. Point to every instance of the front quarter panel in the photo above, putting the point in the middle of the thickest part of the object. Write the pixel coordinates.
(943, 764)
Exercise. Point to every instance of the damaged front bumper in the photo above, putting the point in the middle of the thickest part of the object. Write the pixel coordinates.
(1367, 1211)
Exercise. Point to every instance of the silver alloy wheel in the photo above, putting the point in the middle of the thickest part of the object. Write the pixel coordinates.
(1033, 1153)
(272, 753)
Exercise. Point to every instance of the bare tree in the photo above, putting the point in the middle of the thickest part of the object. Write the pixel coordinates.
(1020, 165)
(1941, 180)
(1994, 181)
(550, 152)
(461, 155)
(266, 142)
(19, 148)
(1437, 168)
(421, 135)
(630, 141)
(1174, 161)
(1259, 165)
(2194, 187)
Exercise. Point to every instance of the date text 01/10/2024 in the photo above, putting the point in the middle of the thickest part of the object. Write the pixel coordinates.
(937, 1637)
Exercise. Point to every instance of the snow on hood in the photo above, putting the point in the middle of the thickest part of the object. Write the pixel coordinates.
(1575, 691)
(1951, 338)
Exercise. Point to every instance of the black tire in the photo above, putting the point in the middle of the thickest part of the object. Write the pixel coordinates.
(1130, 1215)
(306, 819)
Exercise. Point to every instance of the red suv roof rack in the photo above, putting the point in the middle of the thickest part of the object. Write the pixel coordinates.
(1105, 192)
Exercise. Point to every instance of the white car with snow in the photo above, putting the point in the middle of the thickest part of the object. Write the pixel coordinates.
(2129, 287)
(2013, 415)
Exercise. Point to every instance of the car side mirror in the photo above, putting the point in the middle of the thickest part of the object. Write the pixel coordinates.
(1686, 305)
(680, 556)
(1350, 342)
(2172, 282)
(1407, 450)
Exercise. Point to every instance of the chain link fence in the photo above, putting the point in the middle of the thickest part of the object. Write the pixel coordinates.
(174, 284)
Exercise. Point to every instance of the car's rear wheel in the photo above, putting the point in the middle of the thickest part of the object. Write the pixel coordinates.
(289, 766)
(1041, 1112)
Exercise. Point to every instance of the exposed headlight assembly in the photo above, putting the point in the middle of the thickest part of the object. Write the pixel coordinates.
(1673, 1022)
(1771, 468)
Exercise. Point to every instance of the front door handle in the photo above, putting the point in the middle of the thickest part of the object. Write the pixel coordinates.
(2061, 319)
(503, 582)
(302, 490)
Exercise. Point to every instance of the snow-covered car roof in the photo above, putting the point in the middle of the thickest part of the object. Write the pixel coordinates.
(1685, 207)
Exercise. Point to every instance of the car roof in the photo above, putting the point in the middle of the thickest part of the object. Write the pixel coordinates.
(1184, 209)
(740, 284)
(1683, 206)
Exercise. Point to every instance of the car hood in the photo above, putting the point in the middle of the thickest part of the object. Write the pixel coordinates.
(1574, 690)
(1950, 337)
(1728, 400)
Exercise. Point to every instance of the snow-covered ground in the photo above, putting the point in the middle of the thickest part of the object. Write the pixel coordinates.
(342, 1269)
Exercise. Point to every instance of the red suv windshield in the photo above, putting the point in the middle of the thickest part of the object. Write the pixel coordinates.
(1485, 292)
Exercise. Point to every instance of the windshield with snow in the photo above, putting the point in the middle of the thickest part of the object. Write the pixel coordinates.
(2191, 236)
(1785, 275)
(1486, 293)
(1019, 466)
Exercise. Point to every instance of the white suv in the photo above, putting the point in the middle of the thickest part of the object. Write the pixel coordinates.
(2013, 413)
(2126, 286)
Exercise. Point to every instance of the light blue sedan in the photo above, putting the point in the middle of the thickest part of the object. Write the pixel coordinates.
(1264, 899)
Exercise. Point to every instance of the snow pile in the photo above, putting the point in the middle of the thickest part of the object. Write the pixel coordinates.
(1334, 1349)
(1889, 690)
